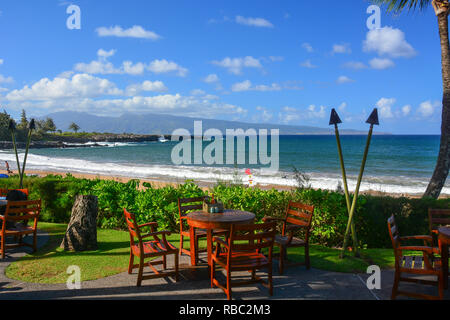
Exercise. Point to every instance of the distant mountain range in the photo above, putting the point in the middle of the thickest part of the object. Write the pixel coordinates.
(166, 124)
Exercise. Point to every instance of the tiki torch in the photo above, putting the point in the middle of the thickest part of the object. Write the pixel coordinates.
(12, 129)
(373, 120)
(31, 127)
(335, 120)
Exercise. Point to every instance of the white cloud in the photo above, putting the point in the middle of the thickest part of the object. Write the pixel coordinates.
(388, 41)
(406, 110)
(342, 106)
(276, 58)
(79, 86)
(4, 79)
(427, 108)
(342, 48)
(385, 107)
(314, 112)
(247, 86)
(289, 114)
(308, 64)
(198, 92)
(254, 22)
(164, 66)
(355, 65)
(97, 67)
(105, 54)
(133, 69)
(307, 47)
(1, 61)
(66, 74)
(102, 66)
(264, 115)
(152, 86)
(162, 104)
(380, 64)
(235, 65)
(133, 32)
(344, 79)
(211, 78)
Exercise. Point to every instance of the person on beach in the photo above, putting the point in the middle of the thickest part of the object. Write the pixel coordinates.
(7, 168)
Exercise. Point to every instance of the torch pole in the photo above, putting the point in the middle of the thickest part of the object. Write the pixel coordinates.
(355, 197)
(31, 126)
(15, 151)
(347, 194)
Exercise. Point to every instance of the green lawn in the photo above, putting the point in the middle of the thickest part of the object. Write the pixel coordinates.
(50, 263)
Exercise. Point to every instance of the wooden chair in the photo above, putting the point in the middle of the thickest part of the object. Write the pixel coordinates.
(298, 217)
(438, 218)
(243, 253)
(186, 205)
(154, 248)
(4, 192)
(425, 264)
(18, 212)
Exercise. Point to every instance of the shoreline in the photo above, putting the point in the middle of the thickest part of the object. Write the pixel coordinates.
(160, 183)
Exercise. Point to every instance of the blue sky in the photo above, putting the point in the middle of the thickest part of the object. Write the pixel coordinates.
(285, 62)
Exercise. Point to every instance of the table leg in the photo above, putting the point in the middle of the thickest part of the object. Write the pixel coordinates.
(192, 246)
(444, 261)
(209, 245)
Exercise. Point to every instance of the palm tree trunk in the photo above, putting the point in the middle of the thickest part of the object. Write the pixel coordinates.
(443, 163)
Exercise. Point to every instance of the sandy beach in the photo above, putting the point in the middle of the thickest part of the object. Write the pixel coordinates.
(159, 183)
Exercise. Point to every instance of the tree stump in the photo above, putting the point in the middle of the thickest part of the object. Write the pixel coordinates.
(81, 234)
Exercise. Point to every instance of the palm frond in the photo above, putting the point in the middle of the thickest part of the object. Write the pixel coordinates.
(399, 5)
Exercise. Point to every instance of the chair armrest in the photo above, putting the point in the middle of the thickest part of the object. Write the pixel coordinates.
(428, 240)
(158, 233)
(221, 241)
(429, 250)
(421, 237)
(269, 219)
(292, 227)
(149, 224)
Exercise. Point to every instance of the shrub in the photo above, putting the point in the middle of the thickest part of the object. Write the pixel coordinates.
(160, 205)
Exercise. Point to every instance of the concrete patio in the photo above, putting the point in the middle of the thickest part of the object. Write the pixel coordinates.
(194, 284)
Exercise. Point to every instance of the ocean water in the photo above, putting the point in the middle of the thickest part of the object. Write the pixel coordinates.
(396, 164)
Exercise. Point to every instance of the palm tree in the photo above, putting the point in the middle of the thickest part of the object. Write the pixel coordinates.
(73, 126)
(442, 9)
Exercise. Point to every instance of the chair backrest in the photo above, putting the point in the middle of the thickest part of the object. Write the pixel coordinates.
(438, 218)
(23, 211)
(393, 232)
(132, 225)
(4, 192)
(23, 190)
(252, 237)
(189, 204)
(299, 214)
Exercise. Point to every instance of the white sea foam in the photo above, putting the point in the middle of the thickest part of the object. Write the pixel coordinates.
(390, 184)
(104, 144)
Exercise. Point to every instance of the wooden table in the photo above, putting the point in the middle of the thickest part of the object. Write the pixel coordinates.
(210, 221)
(444, 242)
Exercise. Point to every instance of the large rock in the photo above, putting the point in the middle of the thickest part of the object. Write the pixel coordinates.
(81, 234)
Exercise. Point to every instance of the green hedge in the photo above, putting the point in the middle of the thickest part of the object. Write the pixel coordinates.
(160, 205)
